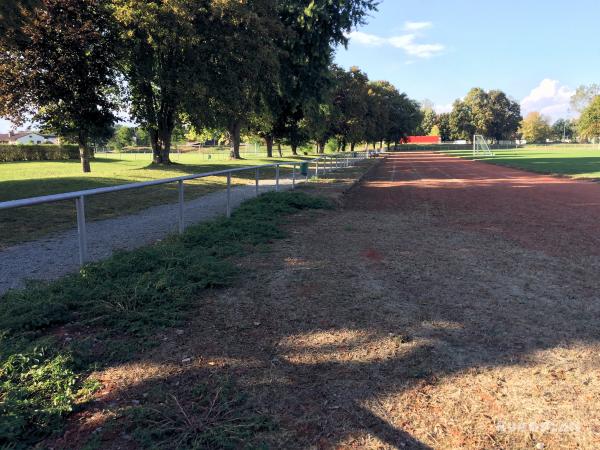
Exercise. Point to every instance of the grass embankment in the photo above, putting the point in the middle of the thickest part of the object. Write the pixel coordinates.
(561, 160)
(36, 178)
(52, 336)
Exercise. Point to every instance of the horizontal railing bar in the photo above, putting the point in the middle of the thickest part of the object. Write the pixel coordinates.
(123, 187)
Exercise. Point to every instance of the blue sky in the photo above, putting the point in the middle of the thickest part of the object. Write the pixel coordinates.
(537, 51)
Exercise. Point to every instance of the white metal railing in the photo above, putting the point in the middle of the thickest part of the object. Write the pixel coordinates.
(321, 164)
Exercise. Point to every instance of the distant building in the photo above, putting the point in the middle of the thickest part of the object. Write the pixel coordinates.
(422, 140)
(27, 138)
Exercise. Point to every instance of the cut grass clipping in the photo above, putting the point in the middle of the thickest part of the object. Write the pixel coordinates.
(109, 308)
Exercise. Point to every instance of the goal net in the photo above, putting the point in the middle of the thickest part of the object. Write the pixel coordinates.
(480, 146)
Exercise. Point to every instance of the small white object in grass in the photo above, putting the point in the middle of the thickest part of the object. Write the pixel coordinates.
(179, 332)
(256, 324)
(186, 360)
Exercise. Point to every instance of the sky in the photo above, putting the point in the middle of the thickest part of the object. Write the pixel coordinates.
(537, 51)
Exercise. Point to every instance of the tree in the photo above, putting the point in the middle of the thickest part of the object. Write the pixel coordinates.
(242, 68)
(461, 121)
(165, 62)
(429, 121)
(589, 122)
(564, 129)
(350, 102)
(312, 31)
(123, 137)
(583, 96)
(535, 128)
(505, 116)
(443, 124)
(490, 113)
(14, 16)
(61, 72)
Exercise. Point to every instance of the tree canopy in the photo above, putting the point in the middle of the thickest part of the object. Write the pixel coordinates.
(589, 122)
(535, 128)
(61, 71)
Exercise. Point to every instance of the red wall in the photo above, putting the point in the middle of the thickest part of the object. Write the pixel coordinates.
(423, 140)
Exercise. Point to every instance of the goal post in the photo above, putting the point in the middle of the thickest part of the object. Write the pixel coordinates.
(480, 146)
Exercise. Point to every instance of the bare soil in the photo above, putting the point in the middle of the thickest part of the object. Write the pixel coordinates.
(448, 304)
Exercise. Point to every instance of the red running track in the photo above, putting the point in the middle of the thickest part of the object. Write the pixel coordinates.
(559, 216)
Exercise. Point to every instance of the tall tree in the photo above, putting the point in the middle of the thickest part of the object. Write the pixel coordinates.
(564, 129)
(166, 45)
(243, 66)
(60, 71)
(589, 122)
(429, 120)
(313, 29)
(583, 96)
(535, 128)
(505, 116)
(443, 124)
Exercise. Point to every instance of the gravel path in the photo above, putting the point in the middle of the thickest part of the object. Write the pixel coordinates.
(57, 255)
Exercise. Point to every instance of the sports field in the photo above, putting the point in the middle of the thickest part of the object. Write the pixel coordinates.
(581, 161)
(36, 178)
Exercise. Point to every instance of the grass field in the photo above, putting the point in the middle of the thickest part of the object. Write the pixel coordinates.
(575, 162)
(35, 178)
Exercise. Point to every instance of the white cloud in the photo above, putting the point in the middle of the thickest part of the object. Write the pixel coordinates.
(550, 98)
(417, 26)
(443, 108)
(407, 42)
(366, 39)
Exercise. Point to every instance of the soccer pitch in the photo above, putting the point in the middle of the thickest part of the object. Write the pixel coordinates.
(565, 160)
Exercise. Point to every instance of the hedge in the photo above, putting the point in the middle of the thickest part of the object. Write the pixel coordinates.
(44, 152)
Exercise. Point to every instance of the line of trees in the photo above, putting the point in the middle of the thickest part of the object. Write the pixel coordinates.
(260, 66)
(492, 114)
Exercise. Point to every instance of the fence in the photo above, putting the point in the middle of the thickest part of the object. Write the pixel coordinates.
(317, 166)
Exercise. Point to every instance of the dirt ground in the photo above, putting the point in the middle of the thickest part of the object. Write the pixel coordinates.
(447, 304)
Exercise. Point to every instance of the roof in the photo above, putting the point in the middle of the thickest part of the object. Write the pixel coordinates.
(10, 137)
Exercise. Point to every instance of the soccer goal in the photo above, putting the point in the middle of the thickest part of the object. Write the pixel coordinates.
(480, 146)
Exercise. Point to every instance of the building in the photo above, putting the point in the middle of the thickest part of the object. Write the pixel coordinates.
(422, 140)
(27, 138)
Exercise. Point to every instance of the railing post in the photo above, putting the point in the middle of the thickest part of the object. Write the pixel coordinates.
(276, 177)
(256, 181)
(81, 231)
(181, 218)
(293, 176)
(228, 211)
(317, 169)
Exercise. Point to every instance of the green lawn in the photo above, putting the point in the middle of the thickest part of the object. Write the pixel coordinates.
(35, 178)
(569, 160)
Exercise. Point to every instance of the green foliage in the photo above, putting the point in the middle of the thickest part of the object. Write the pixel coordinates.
(63, 71)
(589, 122)
(491, 114)
(535, 128)
(564, 129)
(124, 299)
(44, 152)
(37, 389)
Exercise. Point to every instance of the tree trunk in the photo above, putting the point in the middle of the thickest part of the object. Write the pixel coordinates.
(279, 149)
(344, 145)
(294, 149)
(380, 145)
(321, 147)
(388, 145)
(352, 146)
(269, 142)
(234, 132)
(84, 155)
